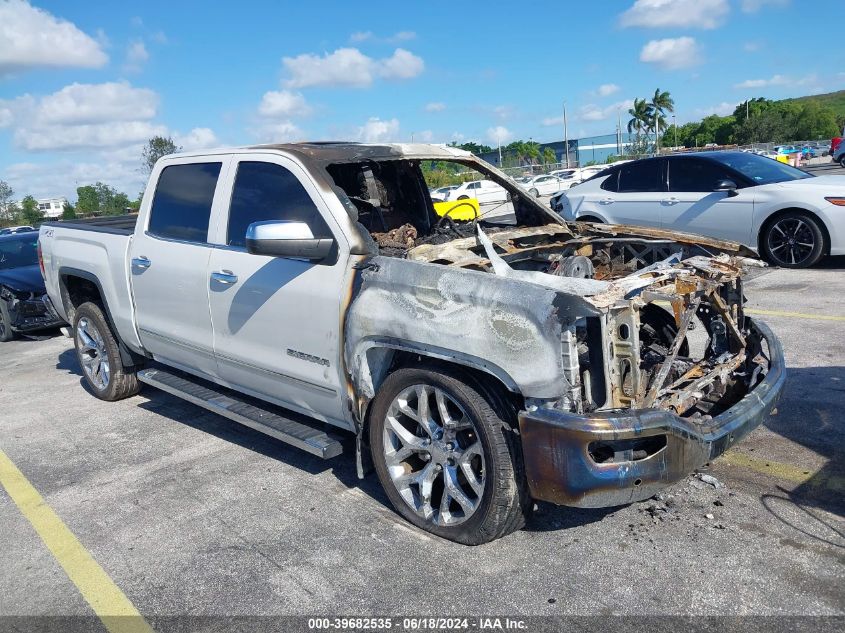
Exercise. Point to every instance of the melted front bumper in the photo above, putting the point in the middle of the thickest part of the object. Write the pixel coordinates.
(560, 468)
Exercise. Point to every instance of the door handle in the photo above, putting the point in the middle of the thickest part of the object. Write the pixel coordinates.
(141, 262)
(671, 201)
(225, 277)
(607, 201)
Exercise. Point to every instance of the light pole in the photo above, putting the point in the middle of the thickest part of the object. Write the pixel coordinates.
(565, 135)
(675, 125)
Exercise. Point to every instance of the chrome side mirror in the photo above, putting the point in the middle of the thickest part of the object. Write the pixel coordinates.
(287, 239)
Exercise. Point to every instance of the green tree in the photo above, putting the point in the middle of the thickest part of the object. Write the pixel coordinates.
(155, 148)
(638, 123)
(87, 202)
(30, 213)
(660, 104)
(549, 156)
(6, 194)
(68, 212)
(475, 148)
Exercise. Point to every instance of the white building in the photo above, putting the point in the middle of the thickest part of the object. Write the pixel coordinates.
(50, 207)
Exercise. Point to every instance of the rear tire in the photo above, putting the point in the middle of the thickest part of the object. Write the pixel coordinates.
(460, 475)
(842, 160)
(534, 193)
(793, 240)
(6, 332)
(98, 353)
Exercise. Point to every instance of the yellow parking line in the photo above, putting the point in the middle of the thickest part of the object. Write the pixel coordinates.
(795, 315)
(787, 472)
(106, 599)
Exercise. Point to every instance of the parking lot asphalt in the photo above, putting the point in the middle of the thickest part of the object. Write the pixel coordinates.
(188, 513)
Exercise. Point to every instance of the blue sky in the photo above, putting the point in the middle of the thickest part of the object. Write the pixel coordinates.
(83, 84)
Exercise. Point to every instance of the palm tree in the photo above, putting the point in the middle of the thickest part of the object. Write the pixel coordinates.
(639, 117)
(661, 103)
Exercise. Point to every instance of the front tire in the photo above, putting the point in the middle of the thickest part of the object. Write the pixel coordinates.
(842, 160)
(446, 458)
(793, 240)
(99, 356)
(534, 193)
(6, 332)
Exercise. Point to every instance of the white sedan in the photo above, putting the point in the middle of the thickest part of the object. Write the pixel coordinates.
(545, 185)
(485, 191)
(790, 217)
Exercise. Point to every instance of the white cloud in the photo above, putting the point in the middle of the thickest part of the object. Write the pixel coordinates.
(751, 47)
(401, 65)
(499, 135)
(283, 105)
(349, 67)
(752, 6)
(376, 130)
(279, 132)
(672, 53)
(605, 90)
(96, 103)
(435, 106)
(136, 56)
(73, 137)
(723, 109)
(777, 80)
(703, 14)
(197, 138)
(31, 38)
(402, 36)
(425, 136)
(591, 112)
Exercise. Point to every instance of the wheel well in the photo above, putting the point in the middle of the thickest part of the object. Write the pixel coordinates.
(78, 290)
(779, 214)
(589, 218)
(497, 393)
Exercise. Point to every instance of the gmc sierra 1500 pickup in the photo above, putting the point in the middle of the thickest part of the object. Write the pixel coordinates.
(303, 289)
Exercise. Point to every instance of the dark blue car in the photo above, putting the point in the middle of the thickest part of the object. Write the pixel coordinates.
(22, 308)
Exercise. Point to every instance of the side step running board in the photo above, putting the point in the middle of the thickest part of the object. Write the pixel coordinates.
(284, 429)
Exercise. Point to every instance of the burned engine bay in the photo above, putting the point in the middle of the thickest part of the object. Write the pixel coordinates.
(650, 289)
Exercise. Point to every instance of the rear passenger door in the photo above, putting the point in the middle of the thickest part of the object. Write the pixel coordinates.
(169, 263)
(633, 194)
(277, 320)
(692, 206)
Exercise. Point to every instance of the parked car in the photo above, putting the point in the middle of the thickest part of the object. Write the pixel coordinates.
(440, 194)
(544, 185)
(22, 307)
(790, 216)
(834, 145)
(838, 155)
(11, 230)
(479, 366)
(485, 191)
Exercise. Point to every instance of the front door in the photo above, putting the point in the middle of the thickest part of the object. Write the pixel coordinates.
(169, 264)
(692, 206)
(277, 320)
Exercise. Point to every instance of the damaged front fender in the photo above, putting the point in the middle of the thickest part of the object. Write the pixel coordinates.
(508, 328)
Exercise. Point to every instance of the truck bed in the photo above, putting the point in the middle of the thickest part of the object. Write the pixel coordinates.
(115, 224)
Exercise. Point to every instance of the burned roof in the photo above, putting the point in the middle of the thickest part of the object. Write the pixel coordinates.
(350, 152)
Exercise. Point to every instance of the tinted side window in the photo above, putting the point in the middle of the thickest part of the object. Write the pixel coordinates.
(693, 174)
(265, 191)
(640, 176)
(182, 202)
(611, 183)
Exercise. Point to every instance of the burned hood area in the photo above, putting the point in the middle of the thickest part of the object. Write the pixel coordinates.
(575, 317)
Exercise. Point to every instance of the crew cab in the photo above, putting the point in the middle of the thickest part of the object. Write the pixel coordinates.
(309, 290)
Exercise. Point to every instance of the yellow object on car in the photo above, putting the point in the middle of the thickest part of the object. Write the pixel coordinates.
(463, 210)
(782, 158)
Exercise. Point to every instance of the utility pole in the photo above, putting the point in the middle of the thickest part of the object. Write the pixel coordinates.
(565, 134)
(619, 131)
(675, 125)
(499, 143)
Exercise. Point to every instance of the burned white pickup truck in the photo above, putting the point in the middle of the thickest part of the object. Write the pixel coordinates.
(304, 289)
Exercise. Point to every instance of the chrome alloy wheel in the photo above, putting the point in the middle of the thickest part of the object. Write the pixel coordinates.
(433, 455)
(791, 241)
(92, 353)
